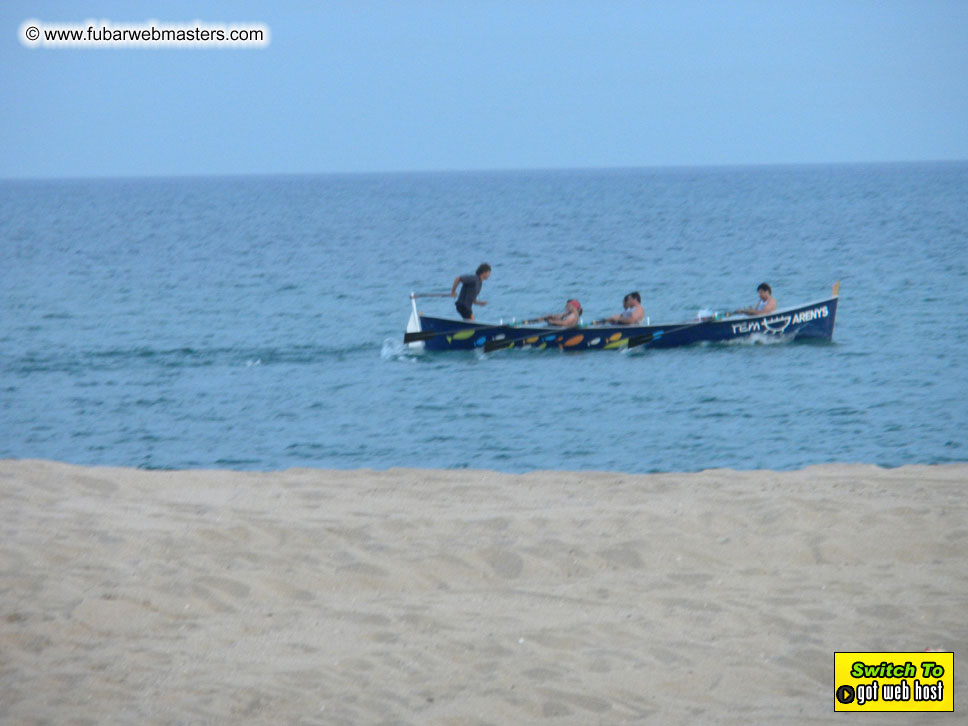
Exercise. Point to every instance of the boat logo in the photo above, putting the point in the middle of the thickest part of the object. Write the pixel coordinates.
(773, 326)
(813, 314)
(777, 325)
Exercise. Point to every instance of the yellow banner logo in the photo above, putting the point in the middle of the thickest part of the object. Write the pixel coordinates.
(894, 681)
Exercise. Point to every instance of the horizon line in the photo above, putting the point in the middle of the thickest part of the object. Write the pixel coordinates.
(479, 170)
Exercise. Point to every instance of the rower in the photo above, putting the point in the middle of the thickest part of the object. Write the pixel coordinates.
(568, 319)
(631, 315)
(767, 303)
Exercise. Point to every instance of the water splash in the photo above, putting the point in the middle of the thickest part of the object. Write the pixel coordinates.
(396, 350)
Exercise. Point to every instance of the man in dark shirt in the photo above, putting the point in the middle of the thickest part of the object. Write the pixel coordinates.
(470, 289)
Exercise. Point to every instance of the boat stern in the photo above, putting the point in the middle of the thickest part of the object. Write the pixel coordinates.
(413, 325)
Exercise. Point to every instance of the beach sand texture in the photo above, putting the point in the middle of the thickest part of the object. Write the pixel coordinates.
(469, 597)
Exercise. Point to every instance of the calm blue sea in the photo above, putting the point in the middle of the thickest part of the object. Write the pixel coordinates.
(256, 322)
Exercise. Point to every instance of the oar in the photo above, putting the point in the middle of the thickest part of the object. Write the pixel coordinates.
(492, 345)
(637, 340)
(428, 334)
(605, 321)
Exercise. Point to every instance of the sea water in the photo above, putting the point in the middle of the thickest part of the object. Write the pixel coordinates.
(257, 322)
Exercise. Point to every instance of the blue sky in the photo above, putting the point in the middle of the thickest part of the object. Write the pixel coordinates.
(363, 86)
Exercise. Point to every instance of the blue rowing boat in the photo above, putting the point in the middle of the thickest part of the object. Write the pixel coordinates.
(811, 321)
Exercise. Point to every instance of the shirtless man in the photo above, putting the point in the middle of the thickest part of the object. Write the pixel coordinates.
(767, 303)
(568, 319)
(633, 312)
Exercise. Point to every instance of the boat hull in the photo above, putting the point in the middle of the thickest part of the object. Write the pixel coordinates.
(812, 321)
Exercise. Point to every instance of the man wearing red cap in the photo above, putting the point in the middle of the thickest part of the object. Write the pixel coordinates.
(568, 319)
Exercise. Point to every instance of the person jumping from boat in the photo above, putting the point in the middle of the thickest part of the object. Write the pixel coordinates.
(568, 319)
(632, 314)
(767, 303)
(470, 289)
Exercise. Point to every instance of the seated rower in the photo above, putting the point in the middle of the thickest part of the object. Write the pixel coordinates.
(568, 319)
(633, 312)
(767, 303)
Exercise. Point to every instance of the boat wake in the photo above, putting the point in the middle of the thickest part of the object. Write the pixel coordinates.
(395, 349)
(761, 339)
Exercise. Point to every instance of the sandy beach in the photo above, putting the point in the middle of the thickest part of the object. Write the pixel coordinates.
(469, 597)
